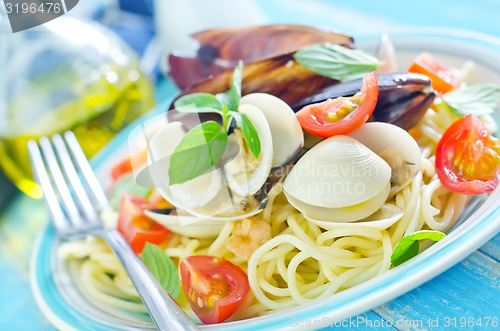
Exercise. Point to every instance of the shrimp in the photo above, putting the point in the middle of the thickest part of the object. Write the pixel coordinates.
(248, 235)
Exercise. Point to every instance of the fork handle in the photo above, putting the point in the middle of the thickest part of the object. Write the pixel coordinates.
(164, 311)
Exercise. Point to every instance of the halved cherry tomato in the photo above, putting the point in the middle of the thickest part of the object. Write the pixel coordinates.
(121, 168)
(126, 165)
(468, 157)
(215, 287)
(341, 115)
(136, 227)
(159, 201)
(442, 80)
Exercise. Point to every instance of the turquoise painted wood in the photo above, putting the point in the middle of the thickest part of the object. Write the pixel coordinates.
(492, 248)
(471, 289)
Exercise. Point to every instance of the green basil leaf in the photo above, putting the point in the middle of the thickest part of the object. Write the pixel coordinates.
(408, 246)
(249, 132)
(162, 267)
(478, 99)
(203, 103)
(199, 150)
(126, 184)
(336, 62)
(231, 97)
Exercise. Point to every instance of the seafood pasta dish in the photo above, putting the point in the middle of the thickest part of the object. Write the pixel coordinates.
(291, 167)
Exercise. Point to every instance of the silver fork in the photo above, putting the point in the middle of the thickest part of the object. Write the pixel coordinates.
(73, 197)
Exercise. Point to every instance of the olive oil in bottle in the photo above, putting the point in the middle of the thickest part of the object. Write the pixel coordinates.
(65, 75)
(92, 128)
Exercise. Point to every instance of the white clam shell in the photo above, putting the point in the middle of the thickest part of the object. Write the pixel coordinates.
(240, 181)
(198, 191)
(222, 202)
(343, 214)
(188, 225)
(379, 136)
(338, 172)
(138, 139)
(382, 219)
(385, 52)
(191, 194)
(223, 208)
(287, 135)
(206, 213)
(204, 197)
(165, 140)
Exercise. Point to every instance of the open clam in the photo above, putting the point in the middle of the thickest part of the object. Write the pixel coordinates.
(287, 135)
(182, 223)
(191, 194)
(245, 173)
(338, 180)
(233, 189)
(382, 219)
(204, 196)
(392, 142)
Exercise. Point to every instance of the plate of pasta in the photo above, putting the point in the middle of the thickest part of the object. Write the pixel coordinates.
(328, 180)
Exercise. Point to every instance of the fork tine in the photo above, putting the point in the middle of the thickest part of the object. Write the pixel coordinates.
(49, 195)
(69, 169)
(60, 183)
(166, 314)
(84, 167)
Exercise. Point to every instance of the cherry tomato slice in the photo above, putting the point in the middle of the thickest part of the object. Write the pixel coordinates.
(121, 168)
(215, 287)
(442, 79)
(341, 115)
(136, 227)
(468, 157)
(159, 201)
(126, 165)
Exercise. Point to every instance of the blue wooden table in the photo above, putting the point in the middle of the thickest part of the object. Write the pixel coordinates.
(463, 297)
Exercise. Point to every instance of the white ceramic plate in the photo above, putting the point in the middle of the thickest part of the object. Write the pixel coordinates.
(58, 296)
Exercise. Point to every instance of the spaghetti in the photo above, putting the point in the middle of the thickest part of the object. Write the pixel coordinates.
(301, 262)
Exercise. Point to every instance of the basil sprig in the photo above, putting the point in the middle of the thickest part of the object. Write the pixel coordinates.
(336, 62)
(198, 103)
(231, 98)
(203, 146)
(478, 99)
(249, 132)
(200, 149)
(162, 267)
(408, 246)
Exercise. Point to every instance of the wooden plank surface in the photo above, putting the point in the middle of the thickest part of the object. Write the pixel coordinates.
(469, 290)
(492, 248)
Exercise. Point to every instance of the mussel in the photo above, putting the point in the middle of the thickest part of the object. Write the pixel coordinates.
(221, 49)
(403, 97)
(280, 76)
